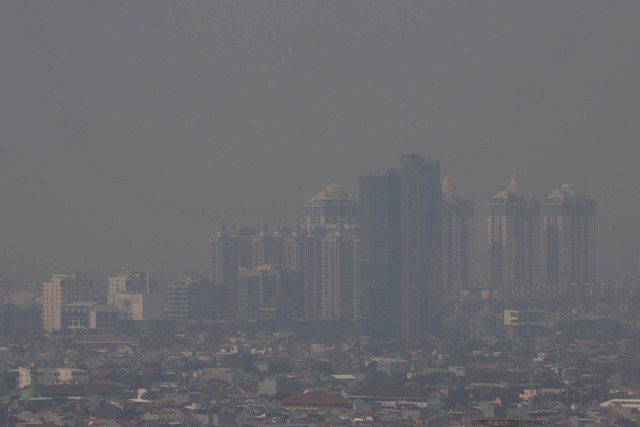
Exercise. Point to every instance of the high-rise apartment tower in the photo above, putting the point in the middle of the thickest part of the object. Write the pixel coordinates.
(569, 219)
(514, 225)
(457, 238)
(332, 267)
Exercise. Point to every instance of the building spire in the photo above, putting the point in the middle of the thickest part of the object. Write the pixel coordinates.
(513, 187)
(264, 227)
(222, 229)
(446, 185)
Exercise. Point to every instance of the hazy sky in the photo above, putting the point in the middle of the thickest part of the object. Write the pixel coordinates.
(128, 129)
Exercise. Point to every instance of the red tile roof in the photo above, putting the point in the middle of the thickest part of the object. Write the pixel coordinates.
(79, 389)
(395, 392)
(110, 339)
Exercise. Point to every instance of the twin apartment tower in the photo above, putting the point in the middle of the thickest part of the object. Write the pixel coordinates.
(388, 257)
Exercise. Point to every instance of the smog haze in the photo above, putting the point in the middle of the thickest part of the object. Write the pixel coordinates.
(128, 130)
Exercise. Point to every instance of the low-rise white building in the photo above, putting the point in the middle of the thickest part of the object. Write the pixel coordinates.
(137, 306)
(89, 315)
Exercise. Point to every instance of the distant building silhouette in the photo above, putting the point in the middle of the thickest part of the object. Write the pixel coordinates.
(514, 226)
(265, 284)
(132, 282)
(325, 252)
(196, 299)
(457, 238)
(569, 220)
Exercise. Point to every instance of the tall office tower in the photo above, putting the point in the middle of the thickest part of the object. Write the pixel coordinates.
(380, 252)
(457, 238)
(62, 289)
(420, 243)
(514, 237)
(569, 220)
(133, 282)
(331, 263)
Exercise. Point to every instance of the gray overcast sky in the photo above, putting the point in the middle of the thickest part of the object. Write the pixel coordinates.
(129, 128)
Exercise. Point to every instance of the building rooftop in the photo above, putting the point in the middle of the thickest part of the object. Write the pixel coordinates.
(314, 400)
(512, 194)
(388, 391)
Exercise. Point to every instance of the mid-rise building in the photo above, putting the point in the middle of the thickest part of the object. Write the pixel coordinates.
(196, 299)
(20, 319)
(457, 238)
(140, 306)
(264, 286)
(89, 315)
(62, 289)
(255, 287)
(132, 281)
(569, 220)
(514, 226)
(524, 324)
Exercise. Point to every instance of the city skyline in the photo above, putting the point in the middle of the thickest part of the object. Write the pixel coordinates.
(384, 261)
(305, 213)
(261, 228)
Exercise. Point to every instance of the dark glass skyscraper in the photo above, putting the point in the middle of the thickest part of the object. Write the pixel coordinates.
(420, 243)
(401, 235)
(380, 252)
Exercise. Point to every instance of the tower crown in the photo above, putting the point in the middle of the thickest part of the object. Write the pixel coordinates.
(513, 187)
(332, 191)
(446, 186)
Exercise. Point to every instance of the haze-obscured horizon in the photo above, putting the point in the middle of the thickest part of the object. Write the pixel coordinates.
(129, 129)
